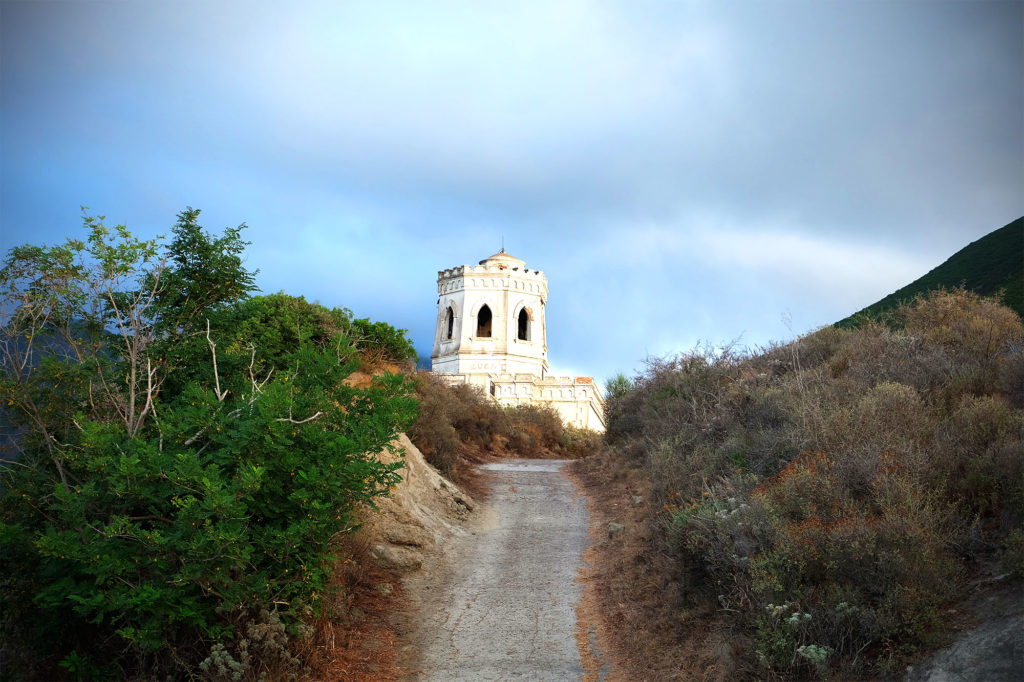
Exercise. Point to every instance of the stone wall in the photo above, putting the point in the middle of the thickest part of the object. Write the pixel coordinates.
(578, 400)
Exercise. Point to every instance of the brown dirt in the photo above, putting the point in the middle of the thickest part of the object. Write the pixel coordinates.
(467, 475)
(634, 616)
(357, 640)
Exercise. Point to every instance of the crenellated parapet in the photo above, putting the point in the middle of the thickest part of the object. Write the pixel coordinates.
(478, 277)
(488, 269)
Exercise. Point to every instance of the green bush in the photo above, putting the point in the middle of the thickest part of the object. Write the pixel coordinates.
(381, 338)
(171, 478)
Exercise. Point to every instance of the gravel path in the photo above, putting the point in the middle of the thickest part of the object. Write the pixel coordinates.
(506, 610)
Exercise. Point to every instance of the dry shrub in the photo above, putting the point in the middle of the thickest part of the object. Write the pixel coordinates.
(353, 636)
(533, 428)
(1012, 556)
(260, 651)
(459, 423)
(979, 450)
(582, 442)
(433, 432)
(971, 327)
(911, 476)
(1010, 381)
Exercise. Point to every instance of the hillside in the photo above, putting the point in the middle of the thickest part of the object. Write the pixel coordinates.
(827, 509)
(993, 263)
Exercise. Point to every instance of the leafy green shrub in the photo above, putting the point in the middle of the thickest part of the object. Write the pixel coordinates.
(164, 487)
(381, 338)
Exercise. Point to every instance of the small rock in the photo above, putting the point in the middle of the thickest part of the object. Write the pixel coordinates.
(389, 556)
(405, 534)
(636, 501)
(386, 589)
(615, 529)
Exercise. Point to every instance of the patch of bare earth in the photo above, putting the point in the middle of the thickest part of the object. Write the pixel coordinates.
(358, 639)
(634, 622)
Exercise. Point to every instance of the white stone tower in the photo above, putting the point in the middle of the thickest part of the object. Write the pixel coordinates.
(490, 321)
(491, 333)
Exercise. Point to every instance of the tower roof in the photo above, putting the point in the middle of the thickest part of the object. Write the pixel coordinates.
(503, 258)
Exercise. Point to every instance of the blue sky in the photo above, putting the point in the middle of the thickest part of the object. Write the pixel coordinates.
(681, 171)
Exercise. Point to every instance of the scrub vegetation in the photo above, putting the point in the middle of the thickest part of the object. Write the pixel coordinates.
(180, 457)
(826, 501)
(458, 425)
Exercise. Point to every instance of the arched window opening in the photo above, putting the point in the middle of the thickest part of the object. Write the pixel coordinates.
(450, 323)
(524, 325)
(483, 322)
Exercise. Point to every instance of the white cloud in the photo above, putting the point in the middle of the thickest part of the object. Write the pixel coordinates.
(844, 270)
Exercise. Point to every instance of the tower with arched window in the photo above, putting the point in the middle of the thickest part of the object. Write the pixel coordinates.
(490, 319)
(491, 332)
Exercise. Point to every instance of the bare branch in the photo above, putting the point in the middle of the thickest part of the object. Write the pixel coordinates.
(149, 397)
(194, 438)
(300, 421)
(213, 351)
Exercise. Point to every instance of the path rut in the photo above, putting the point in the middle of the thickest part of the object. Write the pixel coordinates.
(507, 607)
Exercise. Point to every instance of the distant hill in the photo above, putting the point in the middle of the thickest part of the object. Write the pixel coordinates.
(993, 263)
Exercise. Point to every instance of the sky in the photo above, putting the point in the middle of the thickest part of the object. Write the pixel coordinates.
(683, 172)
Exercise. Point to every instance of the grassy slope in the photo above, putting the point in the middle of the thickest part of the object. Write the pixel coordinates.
(993, 263)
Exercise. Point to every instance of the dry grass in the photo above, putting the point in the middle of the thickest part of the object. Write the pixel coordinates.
(833, 495)
(646, 630)
(354, 639)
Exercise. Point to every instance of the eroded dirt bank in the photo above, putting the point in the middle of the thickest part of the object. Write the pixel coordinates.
(499, 602)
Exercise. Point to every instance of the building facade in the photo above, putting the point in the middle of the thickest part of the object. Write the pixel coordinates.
(491, 332)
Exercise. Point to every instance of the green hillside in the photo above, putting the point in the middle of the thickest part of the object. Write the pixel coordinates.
(992, 264)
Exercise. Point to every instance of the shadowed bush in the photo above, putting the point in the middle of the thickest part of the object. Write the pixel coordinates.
(832, 494)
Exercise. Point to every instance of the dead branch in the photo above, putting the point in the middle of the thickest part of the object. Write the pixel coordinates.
(213, 351)
(300, 421)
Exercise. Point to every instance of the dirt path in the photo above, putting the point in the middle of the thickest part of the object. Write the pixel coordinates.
(501, 602)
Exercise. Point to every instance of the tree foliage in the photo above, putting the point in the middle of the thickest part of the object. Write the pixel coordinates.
(183, 453)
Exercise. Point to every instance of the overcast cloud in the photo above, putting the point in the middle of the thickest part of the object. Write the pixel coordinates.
(681, 171)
